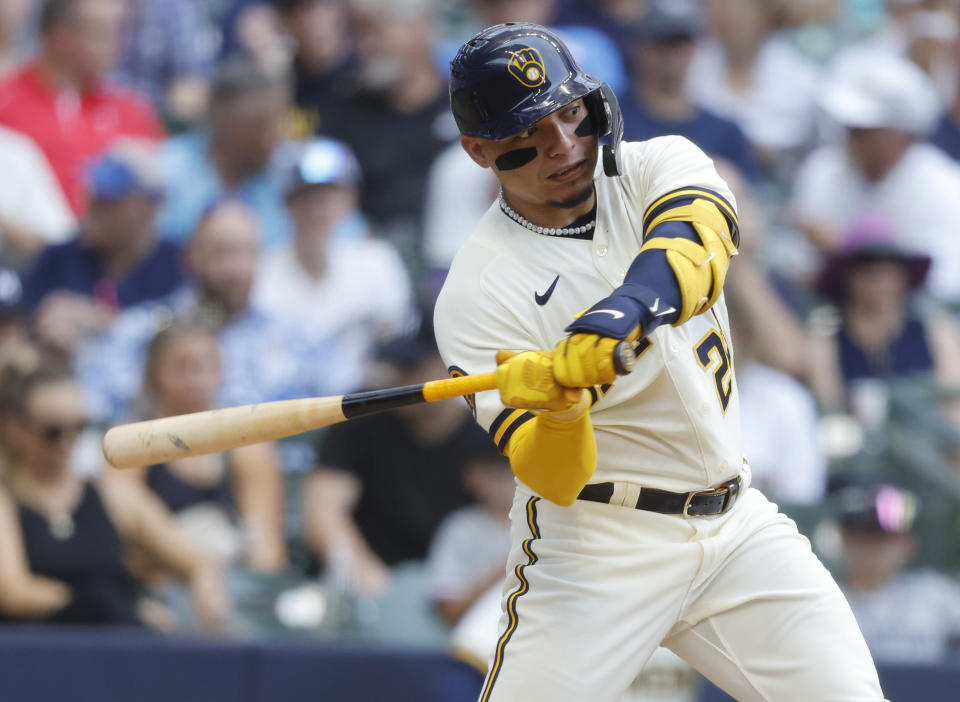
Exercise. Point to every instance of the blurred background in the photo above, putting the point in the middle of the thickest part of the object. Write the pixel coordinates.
(215, 202)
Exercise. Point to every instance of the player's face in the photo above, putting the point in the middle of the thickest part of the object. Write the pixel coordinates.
(546, 171)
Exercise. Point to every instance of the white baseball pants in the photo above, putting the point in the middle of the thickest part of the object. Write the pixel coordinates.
(593, 589)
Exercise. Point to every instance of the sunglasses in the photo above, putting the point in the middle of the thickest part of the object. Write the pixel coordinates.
(54, 433)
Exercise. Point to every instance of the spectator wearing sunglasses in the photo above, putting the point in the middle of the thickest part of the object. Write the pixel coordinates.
(63, 538)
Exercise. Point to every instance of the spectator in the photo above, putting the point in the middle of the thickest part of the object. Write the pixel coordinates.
(947, 134)
(230, 504)
(222, 258)
(593, 48)
(882, 334)
(885, 105)
(62, 99)
(468, 555)
(658, 104)
(740, 72)
(384, 483)
(74, 289)
(323, 60)
(13, 333)
(923, 31)
(167, 54)
(329, 282)
(15, 35)
(906, 616)
(231, 155)
(33, 210)
(770, 308)
(782, 446)
(397, 119)
(63, 538)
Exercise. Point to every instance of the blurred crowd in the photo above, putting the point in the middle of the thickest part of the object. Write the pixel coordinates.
(219, 202)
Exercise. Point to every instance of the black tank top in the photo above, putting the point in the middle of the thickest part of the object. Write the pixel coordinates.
(177, 494)
(87, 555)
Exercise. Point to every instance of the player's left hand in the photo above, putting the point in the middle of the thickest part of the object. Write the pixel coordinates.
(525, 381)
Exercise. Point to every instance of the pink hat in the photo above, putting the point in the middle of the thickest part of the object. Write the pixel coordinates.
(869, 238)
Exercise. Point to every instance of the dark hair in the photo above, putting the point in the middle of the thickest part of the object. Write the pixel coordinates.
(169, 332)
(238, 77)
(24, 371)
(56, 13)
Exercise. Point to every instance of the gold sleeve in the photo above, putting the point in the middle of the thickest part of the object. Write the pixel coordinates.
(553, 455)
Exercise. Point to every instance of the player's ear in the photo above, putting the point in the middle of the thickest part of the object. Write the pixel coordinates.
(474, 148)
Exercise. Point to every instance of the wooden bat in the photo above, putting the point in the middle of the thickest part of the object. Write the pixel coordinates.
(169, 438)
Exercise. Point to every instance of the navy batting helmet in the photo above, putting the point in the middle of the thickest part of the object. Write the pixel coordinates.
(512, 75)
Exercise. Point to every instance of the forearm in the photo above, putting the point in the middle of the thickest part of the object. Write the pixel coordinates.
(555, 456)
(33, 596)
(453, 608)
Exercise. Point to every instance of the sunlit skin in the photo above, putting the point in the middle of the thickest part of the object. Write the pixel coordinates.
(87, 44)
(877, 151)
(223, 256)
(880, 283)
(873, 559)
(556, 187)
(54, 404)
(186, 374)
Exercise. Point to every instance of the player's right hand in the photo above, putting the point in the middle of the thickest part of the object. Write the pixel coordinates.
(525, 381)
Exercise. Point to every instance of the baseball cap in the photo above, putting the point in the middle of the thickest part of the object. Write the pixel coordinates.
(669, 19)
(871, 89)
(869, 238)
(321, 161)
(881, 508)
(124, 170)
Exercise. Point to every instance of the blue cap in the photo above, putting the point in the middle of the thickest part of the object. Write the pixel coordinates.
(669, 19)
(321, 161)
(115, 176)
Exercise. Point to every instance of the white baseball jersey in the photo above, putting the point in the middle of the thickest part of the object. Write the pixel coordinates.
(592, 589)
(673, 423)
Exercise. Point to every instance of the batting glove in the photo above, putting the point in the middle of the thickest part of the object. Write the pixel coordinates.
(525, 381)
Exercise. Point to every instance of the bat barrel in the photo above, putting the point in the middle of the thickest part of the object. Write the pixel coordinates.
(169, 438)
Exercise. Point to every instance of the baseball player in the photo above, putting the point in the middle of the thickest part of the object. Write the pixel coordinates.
(633, 523)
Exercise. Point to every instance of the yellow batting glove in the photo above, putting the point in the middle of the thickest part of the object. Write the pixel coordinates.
(525, 381)
(584, 360)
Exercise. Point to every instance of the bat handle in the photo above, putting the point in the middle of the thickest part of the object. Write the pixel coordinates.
(455, 387)
(436, 390)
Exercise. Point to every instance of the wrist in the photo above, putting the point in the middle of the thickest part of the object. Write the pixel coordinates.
(569, 415)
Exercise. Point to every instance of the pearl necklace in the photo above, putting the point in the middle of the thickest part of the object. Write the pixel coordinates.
(549, 231)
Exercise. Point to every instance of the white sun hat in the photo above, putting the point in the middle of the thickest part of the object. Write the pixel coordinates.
(875, 89)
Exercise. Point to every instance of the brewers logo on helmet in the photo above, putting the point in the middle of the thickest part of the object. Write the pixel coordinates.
(512, 75)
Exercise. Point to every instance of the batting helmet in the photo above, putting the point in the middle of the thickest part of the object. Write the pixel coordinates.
(512, 75)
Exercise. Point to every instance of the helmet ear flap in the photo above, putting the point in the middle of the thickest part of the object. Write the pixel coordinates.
(613, 132)
(605, 111)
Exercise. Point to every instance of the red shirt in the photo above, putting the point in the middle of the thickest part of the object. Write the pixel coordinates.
(72, 128)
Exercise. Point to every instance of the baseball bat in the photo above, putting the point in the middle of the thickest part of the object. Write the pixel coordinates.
(169, 438)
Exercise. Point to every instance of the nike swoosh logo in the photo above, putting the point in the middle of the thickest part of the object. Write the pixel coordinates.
(542, 299)
(616, 314)
(656, 306)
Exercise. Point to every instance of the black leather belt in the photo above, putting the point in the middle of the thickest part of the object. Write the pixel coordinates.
(704, 503)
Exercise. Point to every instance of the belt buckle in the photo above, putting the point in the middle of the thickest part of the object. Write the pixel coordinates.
(727, 503)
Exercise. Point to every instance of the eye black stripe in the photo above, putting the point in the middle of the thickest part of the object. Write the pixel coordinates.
(516, 158)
